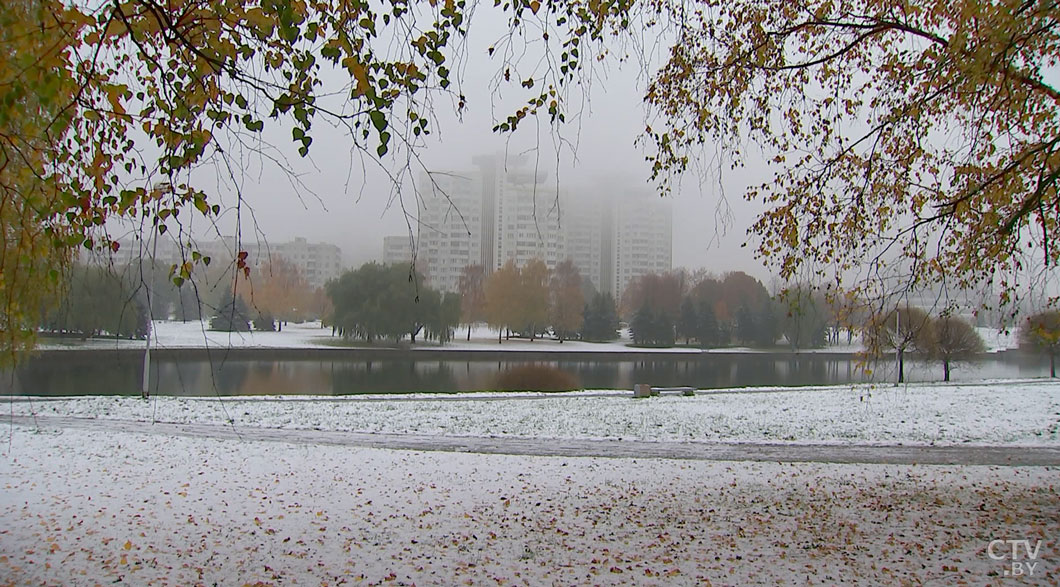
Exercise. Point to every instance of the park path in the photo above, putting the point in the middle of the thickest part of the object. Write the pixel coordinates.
(706, 451)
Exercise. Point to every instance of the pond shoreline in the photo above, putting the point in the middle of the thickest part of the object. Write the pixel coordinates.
(443, 354)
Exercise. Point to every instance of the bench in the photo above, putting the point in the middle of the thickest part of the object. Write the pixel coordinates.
(645, 390)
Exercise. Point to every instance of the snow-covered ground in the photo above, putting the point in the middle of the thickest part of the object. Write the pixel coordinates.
(169, 334)
(991, 413)
(83, 508)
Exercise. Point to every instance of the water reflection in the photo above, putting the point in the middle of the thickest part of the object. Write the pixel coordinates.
(47, 375)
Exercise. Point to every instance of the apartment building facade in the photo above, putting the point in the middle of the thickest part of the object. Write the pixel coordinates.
(318, 262)
(450, 220)
(505, 210)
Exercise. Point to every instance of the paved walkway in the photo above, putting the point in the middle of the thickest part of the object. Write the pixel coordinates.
(707, 451)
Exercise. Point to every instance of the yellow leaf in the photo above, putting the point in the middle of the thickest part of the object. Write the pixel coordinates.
(357, 70)
(127, 545)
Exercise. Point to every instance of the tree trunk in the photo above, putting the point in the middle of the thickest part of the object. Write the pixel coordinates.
(946, 369)
(1052, 365)
(469, 332)
(901, 366)
(500, 331)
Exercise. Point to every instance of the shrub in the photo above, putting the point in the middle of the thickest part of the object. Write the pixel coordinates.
(535, 377)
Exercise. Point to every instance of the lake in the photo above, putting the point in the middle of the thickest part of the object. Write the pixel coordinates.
(197, 372)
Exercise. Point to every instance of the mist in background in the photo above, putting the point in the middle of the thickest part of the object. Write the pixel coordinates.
(349, 197)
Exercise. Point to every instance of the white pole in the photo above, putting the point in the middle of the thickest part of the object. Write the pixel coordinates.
(897, 350)
(145, 390)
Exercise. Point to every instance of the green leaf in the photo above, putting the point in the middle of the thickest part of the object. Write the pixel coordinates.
(378, 120)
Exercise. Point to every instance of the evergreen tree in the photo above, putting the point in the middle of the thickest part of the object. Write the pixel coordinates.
(232, 314)
(746, 326)
(688, 322)
(767, 331)
(707, 328)
(601, 319)
(642, 327)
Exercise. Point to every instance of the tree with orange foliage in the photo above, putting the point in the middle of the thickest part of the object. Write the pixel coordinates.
(661, 292)
(533, 297)
(280, 290)
(567, 302)
(502, 298)
(1042, 332)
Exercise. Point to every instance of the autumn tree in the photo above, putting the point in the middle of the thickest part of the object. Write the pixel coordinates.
(502, 298)
(922, 139)
(901, 330)
(662, 292)
(36, 253)
(949, 339)
(1041, 332)
(737, 306)
(280, 290)
(533, 297)
(566, 304)
(471, 286)
(805, 317)
(100, 101)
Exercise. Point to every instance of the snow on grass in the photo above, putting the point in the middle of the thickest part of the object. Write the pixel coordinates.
(82, 507)
(170, 334)
(995, 413)
(196, 334)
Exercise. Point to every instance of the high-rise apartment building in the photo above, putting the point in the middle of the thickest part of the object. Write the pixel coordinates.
(586, 223)
(450, 219)
(527, 224)
(397, 249)
(504, 210)
(641, 238)
(318, 262)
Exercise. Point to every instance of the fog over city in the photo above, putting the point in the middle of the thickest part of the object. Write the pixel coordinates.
(348, 198)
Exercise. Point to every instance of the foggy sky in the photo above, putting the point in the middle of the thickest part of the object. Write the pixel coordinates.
(344, 197)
